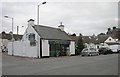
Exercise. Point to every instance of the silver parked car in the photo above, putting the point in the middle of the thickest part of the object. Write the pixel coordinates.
(89, 52)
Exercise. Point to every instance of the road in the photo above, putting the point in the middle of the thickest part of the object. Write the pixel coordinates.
(68, 65)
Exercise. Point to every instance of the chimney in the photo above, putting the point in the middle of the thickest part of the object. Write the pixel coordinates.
(31, 22)
(114, 28)
(109, 29)
(61, 27)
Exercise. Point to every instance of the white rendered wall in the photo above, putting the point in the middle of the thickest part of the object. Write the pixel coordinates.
(29, 30)
(22, 49)
(72, 48)
(45, 48)
(9, 48)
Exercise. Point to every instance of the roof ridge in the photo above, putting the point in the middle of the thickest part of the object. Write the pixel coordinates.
(47, 26)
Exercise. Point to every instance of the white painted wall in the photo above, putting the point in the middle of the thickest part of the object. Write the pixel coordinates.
(45, 48)
(91, 45)
(72, 48)
(29, 30)
(9, 48)
(22, 49)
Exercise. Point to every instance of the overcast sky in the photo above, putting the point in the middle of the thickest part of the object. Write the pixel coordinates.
(78, 17)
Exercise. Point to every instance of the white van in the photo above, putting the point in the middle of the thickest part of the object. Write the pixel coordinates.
(115, 48)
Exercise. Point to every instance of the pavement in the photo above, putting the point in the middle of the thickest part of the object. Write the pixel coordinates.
(68, 65)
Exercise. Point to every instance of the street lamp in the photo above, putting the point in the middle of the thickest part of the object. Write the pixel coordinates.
(38, 28)
(38, 12)
(12, 31)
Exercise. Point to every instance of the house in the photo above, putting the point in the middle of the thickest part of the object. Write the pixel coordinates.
(114, 32)
(106, 40)
(43, 41)
(96, 41)
(89, 41)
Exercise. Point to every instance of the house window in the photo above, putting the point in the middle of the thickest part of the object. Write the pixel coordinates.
(97, 47)
(109, 39)
(31, 38)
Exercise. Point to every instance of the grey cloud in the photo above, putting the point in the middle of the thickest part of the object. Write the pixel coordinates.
(93, 16)
(78, 17)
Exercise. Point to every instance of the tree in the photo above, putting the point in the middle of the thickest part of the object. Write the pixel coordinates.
(101, 34)
(73, 34)
(80, 45)
(109, 29)
(3, 35)
(3, 32)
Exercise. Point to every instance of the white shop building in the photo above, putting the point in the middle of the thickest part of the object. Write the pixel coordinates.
(42, 41)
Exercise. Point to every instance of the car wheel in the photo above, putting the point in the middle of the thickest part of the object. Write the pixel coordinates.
(90, 54)
(97, 54)
(82, 55)
(105, 53)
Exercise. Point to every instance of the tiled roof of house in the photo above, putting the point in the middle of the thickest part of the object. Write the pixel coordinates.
(102, 38)
(92, 39)
(86, 39)
(74, 38)
(51, 33)
(89, 39)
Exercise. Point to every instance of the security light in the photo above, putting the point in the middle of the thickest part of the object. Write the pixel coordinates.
(6, 16)
(44, 3)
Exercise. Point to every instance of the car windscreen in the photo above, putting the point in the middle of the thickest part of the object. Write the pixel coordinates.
(84, 50)
(102, 48)
(93, 50)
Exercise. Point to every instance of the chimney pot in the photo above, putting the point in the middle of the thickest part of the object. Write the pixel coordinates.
(114, 27)
(61, 27)
(31, 22)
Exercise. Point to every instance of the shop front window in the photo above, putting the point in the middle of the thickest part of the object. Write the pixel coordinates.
(59, 47)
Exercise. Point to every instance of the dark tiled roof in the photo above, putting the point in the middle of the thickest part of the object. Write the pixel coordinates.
(51, 33)
(102, 38)
(86, 39)
(75, 38)
(9, 37)
(89, 39)
(92, 39)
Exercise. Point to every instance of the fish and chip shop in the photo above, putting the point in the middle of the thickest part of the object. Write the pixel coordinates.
(42, 41)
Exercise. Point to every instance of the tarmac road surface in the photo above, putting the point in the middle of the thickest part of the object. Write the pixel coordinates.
(68, 65)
